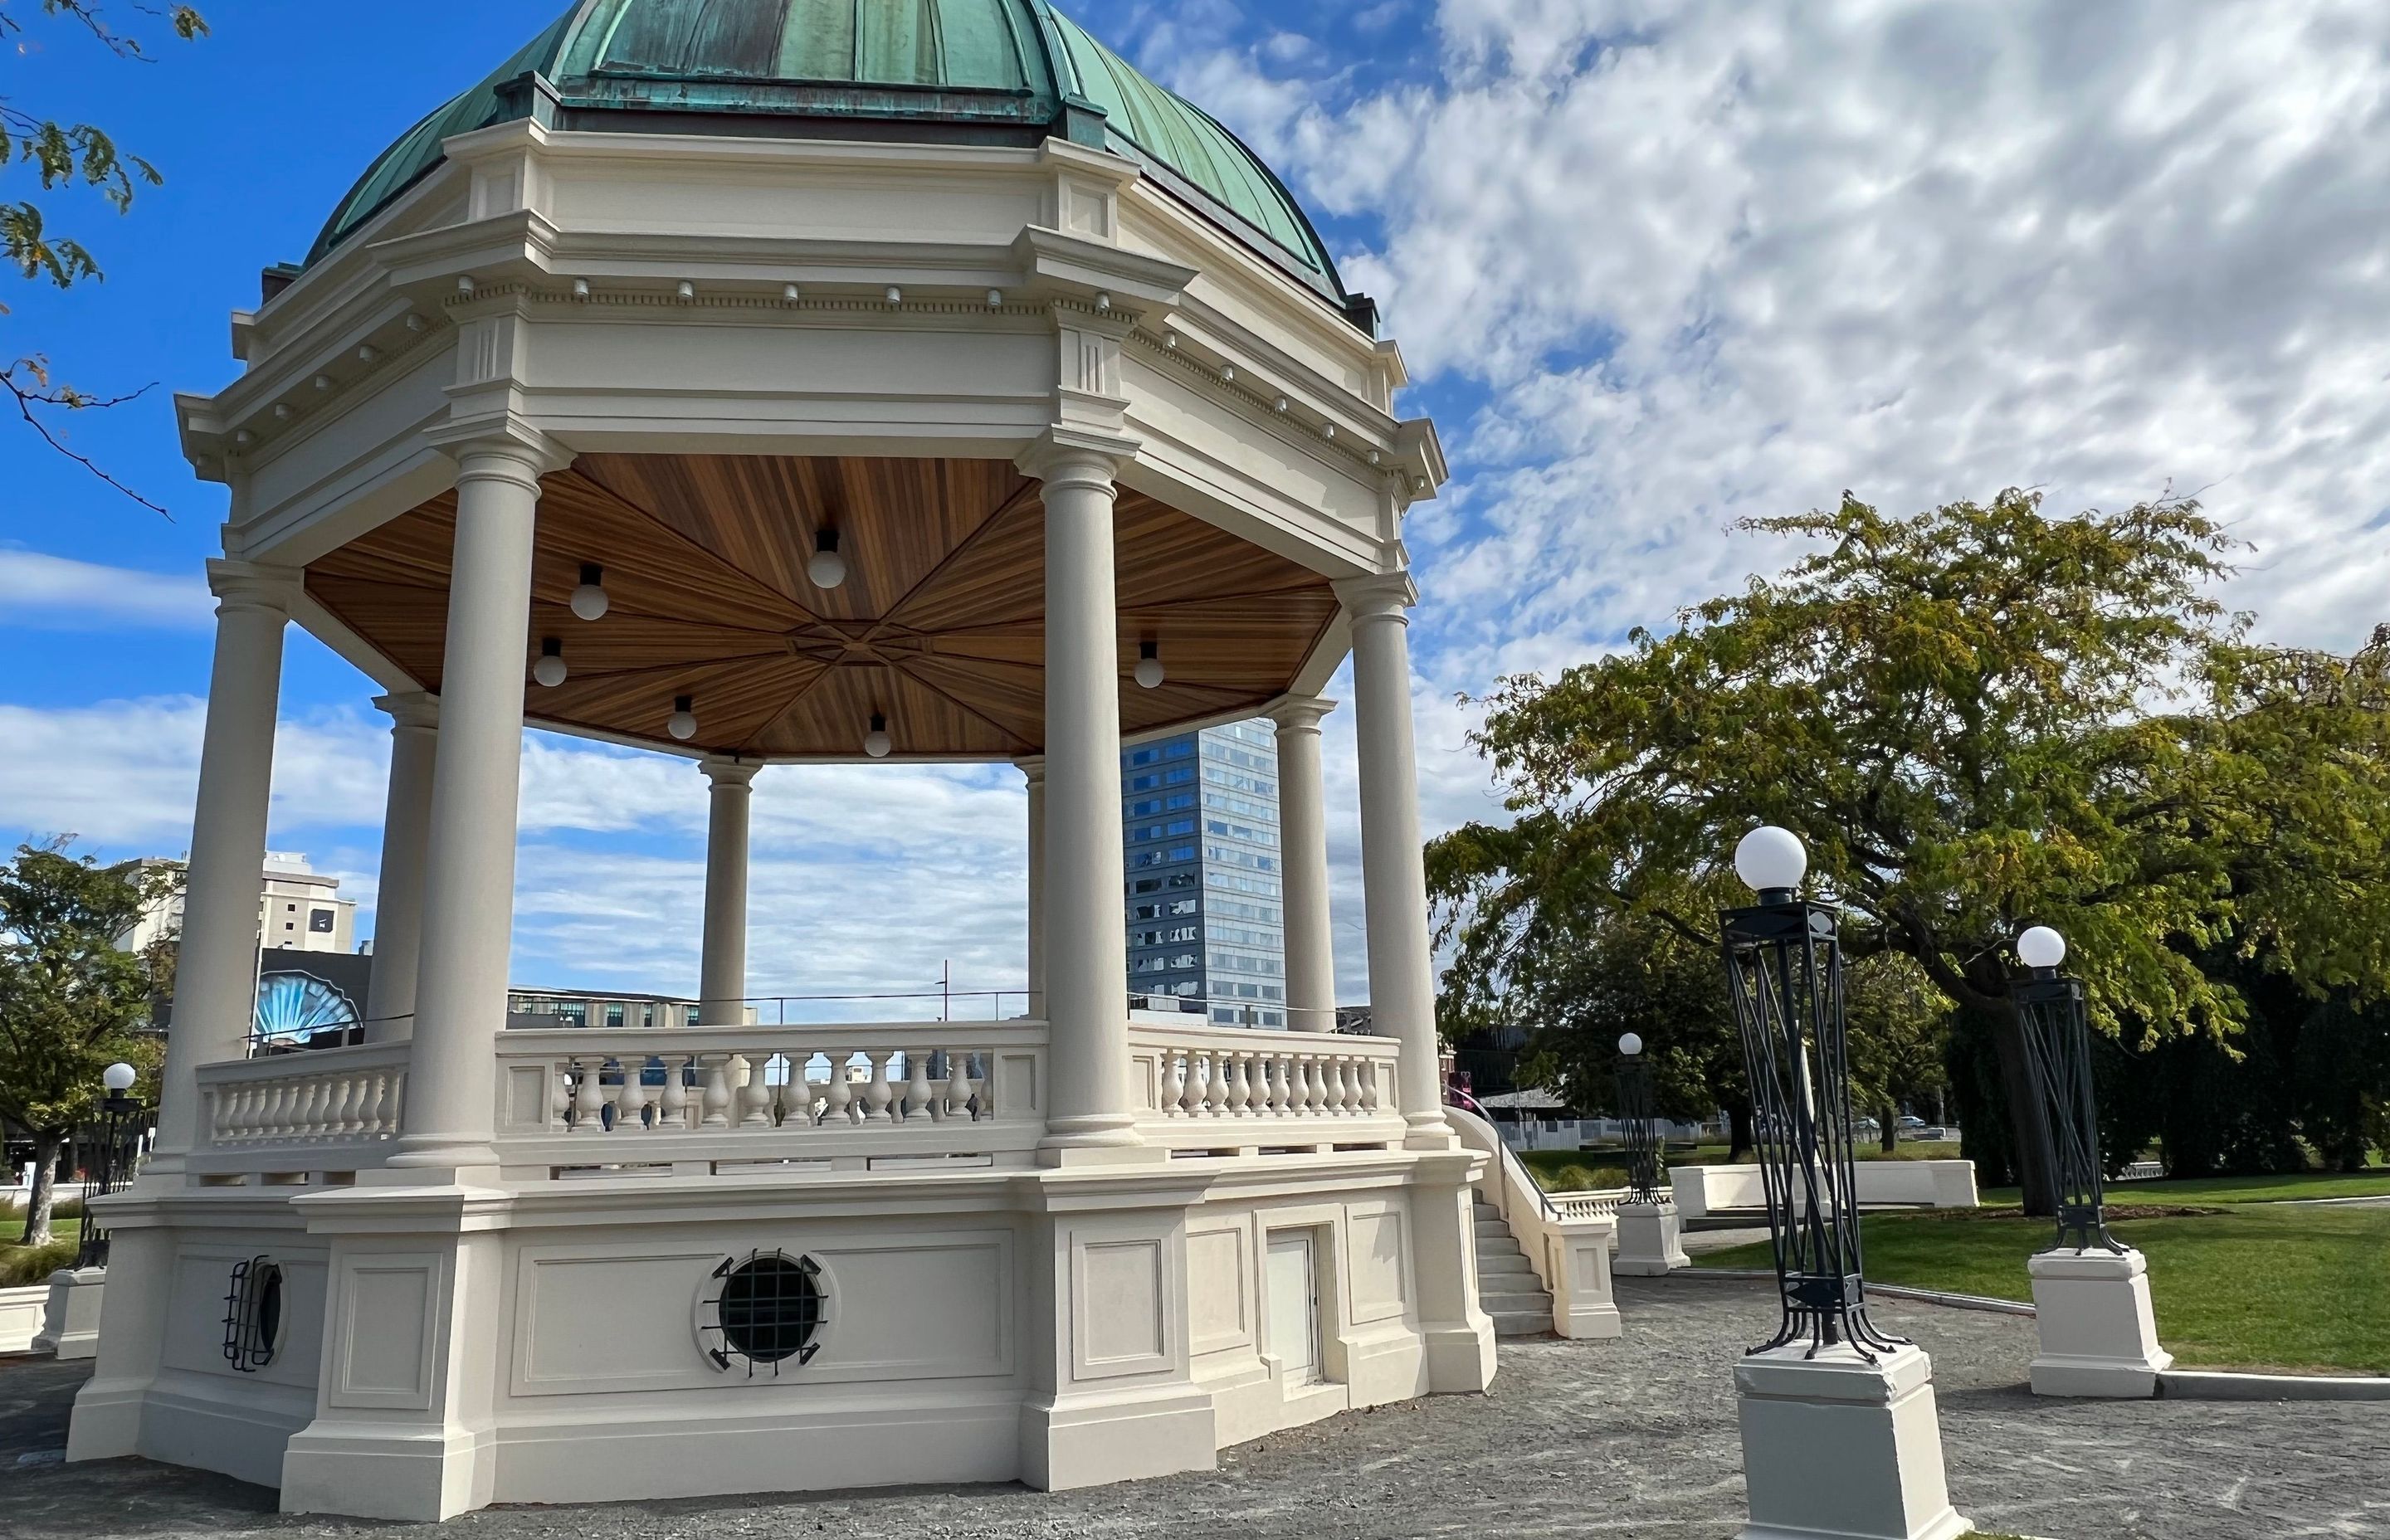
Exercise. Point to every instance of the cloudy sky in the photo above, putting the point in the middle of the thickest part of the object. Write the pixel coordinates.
(1655, 266)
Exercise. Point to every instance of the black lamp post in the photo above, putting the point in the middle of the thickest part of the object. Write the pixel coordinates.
(2058, 1053)
(1784, 973)
(120, 1124)
(1641, 1124)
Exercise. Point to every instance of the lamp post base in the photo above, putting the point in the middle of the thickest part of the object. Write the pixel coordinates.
(2098, 1337)
(1650, 1240)
(1836, 1446)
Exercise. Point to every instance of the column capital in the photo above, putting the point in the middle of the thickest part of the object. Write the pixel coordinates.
(508, 448)
(729, 770)
(1031, 767)
(252, 585)
(410, 708)
(1075, 456)
(1299, 714)
(1381, 593)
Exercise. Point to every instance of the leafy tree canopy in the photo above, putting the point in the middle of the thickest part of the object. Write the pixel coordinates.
(1977, 718)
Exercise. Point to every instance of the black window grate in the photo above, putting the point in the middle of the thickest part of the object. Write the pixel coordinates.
(764, 1312)
(253, 1313)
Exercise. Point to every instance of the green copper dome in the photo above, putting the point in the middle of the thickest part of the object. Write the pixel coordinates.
(972, 72)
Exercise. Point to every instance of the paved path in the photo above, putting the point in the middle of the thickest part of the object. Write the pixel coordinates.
(1634, 1438)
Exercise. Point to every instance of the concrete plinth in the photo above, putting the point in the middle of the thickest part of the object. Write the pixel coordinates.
(1650, 1240)
(1836, 1446)
(70, 1320)
(2098, 1337)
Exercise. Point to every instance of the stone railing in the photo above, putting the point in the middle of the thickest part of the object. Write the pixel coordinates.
(845, 1096)
(328, 1096)
(1599, 1204)
(1236, 1087)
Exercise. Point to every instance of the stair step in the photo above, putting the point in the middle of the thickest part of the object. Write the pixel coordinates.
(1496, 1305)
(1522, 1323)
(1498, 1246)
(1492, 1227)
(1512, 1261)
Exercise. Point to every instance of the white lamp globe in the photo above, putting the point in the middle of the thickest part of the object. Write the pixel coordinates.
(826, 569)
(682, 723)
(877, 743)
(1149, 673)
(1770, 858)
(589, 599)
(1630, 1044)
(117, 1077)
(548, 667)
(2041, 947)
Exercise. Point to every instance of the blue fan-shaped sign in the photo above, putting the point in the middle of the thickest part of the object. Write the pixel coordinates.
(297, 1004)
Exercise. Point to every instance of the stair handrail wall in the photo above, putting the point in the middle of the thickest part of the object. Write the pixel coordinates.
(1570, 1256)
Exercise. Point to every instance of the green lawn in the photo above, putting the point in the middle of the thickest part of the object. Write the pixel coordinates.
(21, 1266)
(2278, 1289)
(1597, 1169)
(2232, 1189)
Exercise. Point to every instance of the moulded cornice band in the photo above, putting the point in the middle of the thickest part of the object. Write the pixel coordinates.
(485, 449)
(1068, 457)
(730, 772)
(1301, 714)
(250, 586)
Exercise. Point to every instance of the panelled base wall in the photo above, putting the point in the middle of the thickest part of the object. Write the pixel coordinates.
(436, 1349)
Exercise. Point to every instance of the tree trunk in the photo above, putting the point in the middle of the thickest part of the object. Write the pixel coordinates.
(2028, 1142)
(45, 1187)
(1887, 1127)
(1739, 1139)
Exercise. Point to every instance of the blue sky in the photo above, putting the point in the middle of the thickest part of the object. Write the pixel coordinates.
(1655, 266)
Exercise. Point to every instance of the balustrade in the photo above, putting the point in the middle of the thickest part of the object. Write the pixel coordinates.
(337, 1096)
(1195, 1078)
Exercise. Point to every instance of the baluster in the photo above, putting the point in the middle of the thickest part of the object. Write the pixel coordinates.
(1349, 1070)
(1240, 1086)
(1300, 1100)
(1199, 1082)
(1332, 1069)
(1173, 1082)
(755, 1092)
(630, 1102)
(917, 1084)
(228, 1109)
(672, 1097)
(958, 1084)
(346, 1106)
(588, 1096)
(252, 1110)
(306, 1095)
(797, 1096)
(375, 1105)
(1370, 1101)
(1215, 1088)
(559, 1097)
(717, 1091)
(839, 1100)
(270, 1122)
(1316, 1085)
(879, 1093)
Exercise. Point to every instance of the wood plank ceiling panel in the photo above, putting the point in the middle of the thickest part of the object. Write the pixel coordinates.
(939, 623)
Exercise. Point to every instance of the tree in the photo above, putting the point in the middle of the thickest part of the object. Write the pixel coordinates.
(71, 1003)
(1899, 1023)
(1979, 718)
(62, 155)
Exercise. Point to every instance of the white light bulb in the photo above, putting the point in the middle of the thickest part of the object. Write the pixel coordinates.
(682, 725)
(465, 287)
(1770, 859)
(995, 298)
(1103, 302)
(877, 743)
(549, 670)
(1149, 673)
(2041, 947)
(117, 1077)
(1630, 1044)
(685, 289)
(416, 322)
(896, 295)
(367, 352)
(1228, 374)
(826, 570)
(589, 599)
(580, 288)
(791, 293)
(323, 382)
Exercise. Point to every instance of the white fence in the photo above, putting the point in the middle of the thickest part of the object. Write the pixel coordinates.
(1578, 1133)
(1704, 1190)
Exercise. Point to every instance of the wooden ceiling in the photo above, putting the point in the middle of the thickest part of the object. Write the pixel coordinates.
(939, 624)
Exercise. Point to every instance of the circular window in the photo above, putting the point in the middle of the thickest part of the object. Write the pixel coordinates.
(763, 1310)
(253, 1313)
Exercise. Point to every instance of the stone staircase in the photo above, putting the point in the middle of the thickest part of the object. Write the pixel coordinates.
(1506, 1287)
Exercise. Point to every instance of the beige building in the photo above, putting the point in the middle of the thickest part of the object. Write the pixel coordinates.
(299, 908)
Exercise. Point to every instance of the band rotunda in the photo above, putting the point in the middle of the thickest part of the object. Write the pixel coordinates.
(785, 381)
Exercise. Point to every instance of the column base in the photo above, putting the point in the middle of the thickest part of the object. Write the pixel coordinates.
(1873, 1425)
(1095, 1440)
(70, 1318)
(387, 1470)
(2097, 1336)
(1650, 1240)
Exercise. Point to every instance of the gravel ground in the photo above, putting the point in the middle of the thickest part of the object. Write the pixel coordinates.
(1629, 1438)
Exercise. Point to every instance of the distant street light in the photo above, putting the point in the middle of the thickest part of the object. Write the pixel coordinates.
(120, 1123)
(2050, 1007)
(1638, 1122)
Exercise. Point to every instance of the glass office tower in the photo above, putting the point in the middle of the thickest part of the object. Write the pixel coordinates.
(1200, 827)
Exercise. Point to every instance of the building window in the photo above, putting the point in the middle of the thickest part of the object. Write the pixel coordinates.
(320, 921)
(614, 1015)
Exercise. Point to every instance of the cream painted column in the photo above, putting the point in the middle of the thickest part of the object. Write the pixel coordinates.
(398, 900)
(1302, 862)
(1393, 868)
(722, 965)
(215, 981)
(1035, 769)
(1089, 1114)
(468, 877)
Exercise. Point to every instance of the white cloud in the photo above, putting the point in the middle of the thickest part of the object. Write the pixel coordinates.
(55, 593)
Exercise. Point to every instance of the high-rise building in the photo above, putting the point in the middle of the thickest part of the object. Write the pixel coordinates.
(1200, 829)
(299, 908)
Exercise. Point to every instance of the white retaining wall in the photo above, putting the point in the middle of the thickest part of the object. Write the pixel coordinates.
(1704, 1190)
